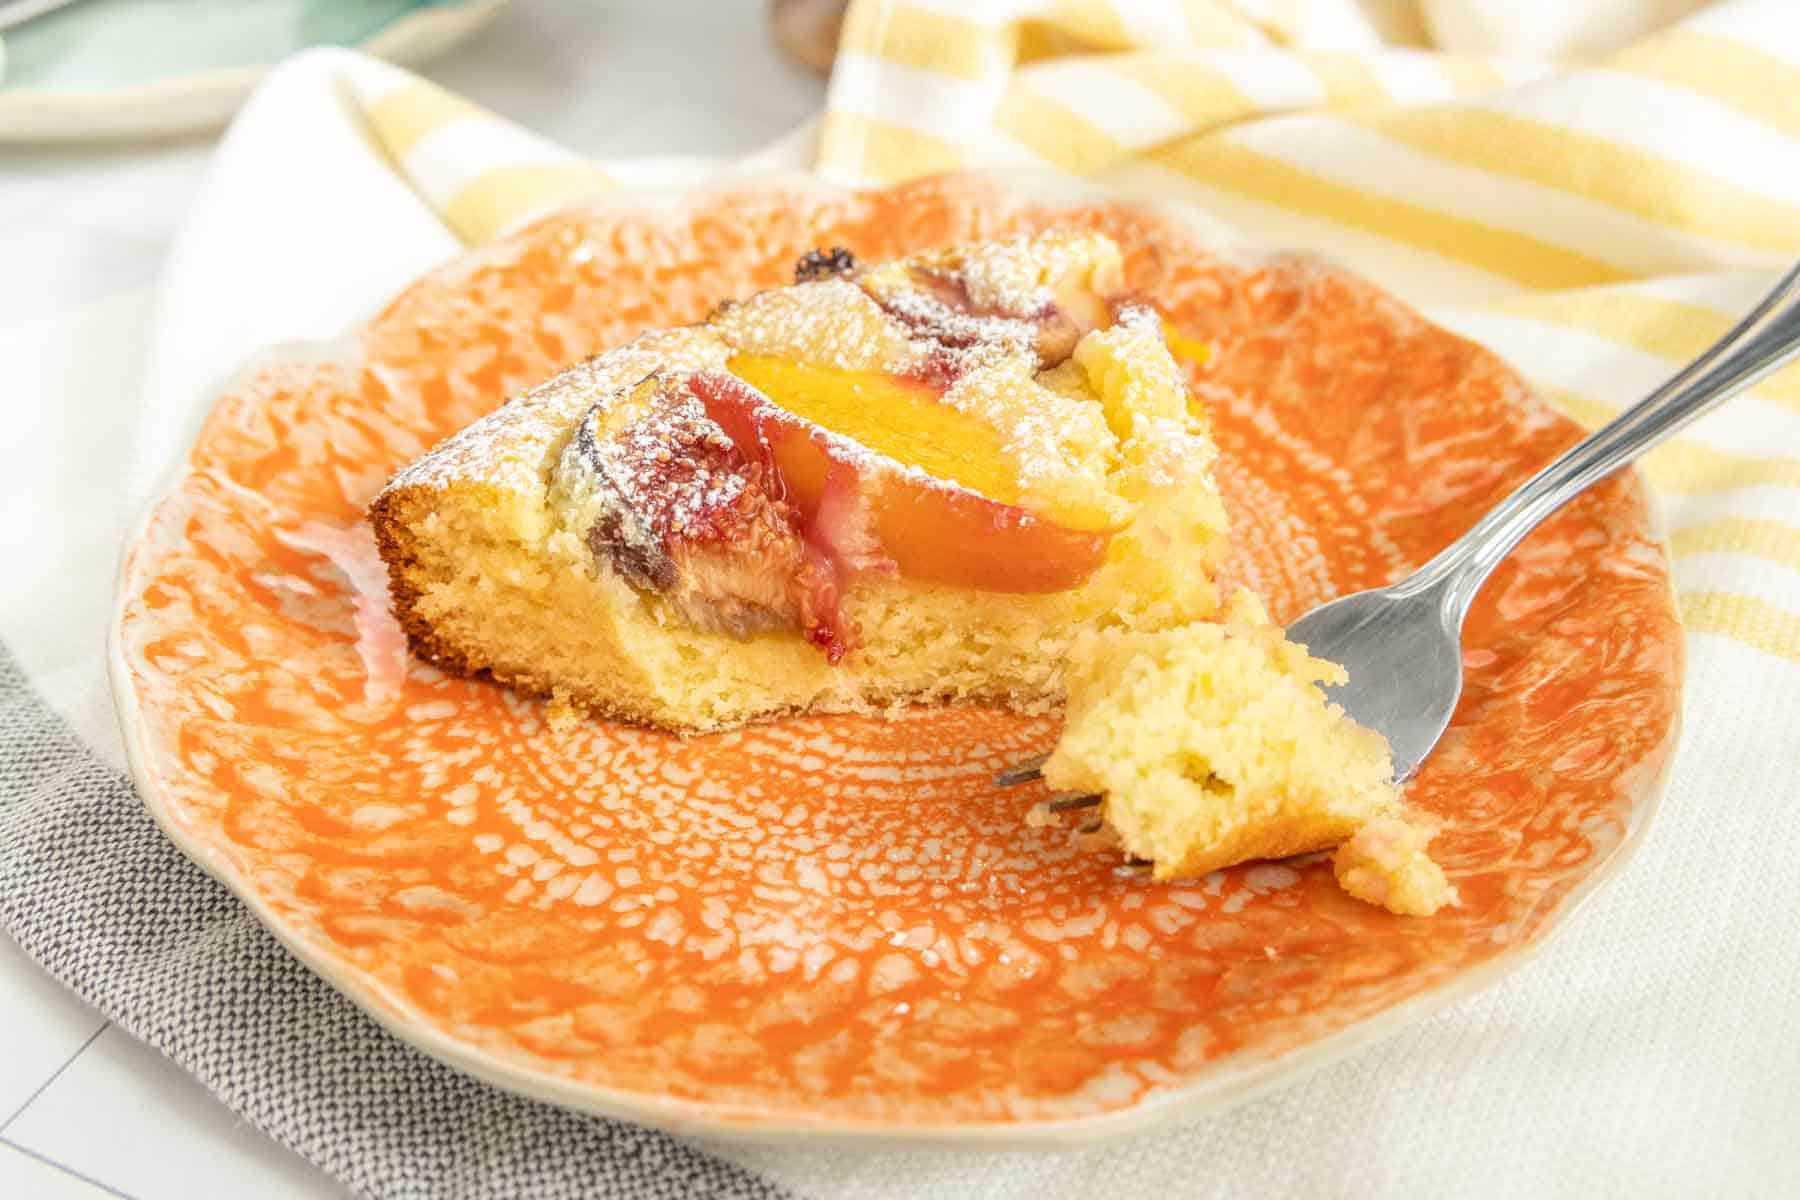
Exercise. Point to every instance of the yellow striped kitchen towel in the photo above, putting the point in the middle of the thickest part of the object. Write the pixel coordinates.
(1596, 217)
(479, 172)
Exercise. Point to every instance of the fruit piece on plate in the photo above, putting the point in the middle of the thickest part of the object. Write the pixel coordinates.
(915, 482)
(1212, 744)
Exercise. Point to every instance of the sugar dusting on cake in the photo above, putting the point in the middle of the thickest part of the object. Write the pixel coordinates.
(832, 321)
(665, 470)
(678, 510)
(698, 518)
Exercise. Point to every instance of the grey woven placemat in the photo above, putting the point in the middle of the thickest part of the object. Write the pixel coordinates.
(91, 889)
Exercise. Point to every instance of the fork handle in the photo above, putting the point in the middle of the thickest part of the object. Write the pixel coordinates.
(1756, 346)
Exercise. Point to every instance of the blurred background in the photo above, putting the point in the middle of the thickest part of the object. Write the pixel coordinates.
(95, 176)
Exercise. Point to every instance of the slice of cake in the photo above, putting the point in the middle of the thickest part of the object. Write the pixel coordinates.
(917, 481)
(1212, 744)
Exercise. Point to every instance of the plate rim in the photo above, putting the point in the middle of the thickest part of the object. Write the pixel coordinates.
(173, 105)
(1219, 1088)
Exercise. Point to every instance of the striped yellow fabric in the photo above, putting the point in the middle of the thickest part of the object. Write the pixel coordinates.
(1598, 220)
(480, 173)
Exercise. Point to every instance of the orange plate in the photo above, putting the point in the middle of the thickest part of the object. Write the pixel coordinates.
(836, 924)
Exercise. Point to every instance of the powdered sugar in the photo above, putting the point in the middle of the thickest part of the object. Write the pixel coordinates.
(670, 504)
(515, 446)
(672, 464)
(629, 464)
(931, 317)
(831, 323)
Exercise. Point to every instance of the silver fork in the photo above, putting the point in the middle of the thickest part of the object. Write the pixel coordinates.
(1402, 644)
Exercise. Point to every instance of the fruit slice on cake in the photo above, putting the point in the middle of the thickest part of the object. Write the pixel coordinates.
(917, 481)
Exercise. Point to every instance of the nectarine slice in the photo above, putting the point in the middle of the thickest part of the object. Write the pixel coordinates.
(869, 510)
(903, 419)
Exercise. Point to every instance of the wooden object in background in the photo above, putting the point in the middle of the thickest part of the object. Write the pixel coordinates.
(807, 30)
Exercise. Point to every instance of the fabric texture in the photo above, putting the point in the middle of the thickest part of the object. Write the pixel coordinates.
(1596, 219)
(96, 893)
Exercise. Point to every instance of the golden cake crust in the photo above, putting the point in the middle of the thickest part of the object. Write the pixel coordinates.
(579, 505)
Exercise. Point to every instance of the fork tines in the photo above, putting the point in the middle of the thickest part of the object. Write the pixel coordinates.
(1022, 772)
(1043, 812)
(1070, 801)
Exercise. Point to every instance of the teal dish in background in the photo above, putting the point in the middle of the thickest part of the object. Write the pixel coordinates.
(96, 70)
(99, 44)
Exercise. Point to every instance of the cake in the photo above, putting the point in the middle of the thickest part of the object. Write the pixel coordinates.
(1212, 744)
(919, 480)
(973, 474)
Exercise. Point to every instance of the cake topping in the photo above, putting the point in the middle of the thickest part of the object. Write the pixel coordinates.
(930, 418)
(816, 264)
(936, 306)
(1045, 291)
(684, 515)
(831, 323)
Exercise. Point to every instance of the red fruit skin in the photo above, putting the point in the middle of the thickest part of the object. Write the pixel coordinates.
(890, 522)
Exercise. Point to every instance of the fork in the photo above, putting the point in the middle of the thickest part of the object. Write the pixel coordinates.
(1402, 644)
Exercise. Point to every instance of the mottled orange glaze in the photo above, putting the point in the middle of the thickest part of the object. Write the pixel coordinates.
(839, 919)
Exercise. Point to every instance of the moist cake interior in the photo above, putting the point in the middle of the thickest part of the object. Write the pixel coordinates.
(916, 481)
